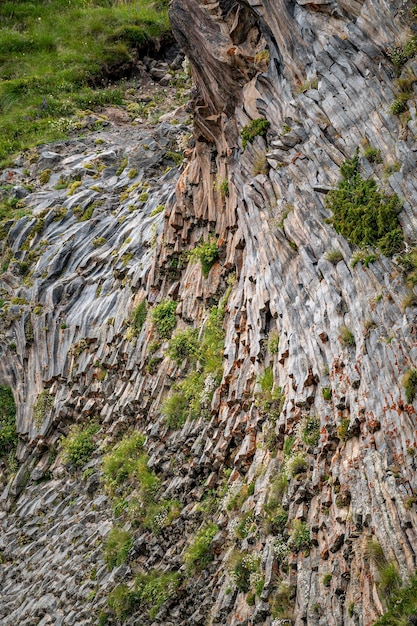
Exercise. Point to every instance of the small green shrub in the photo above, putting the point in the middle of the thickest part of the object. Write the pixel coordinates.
(346, 337)
(288, 445)
(8, 433)
(207, 253)
(184, 345)
(410, 384)
(200, 553)
(164, 318)
(117, 547)
(343, 429)
(121, 463)
(244, 567)
(273, 342)
(154, 588)
(222, 186)
(257, 127)
(400, 104)
(373, 155)
(300, 536)
(297, 464)
(310, 430)
(138, 317)
(122, 601)
(363, 214)
(132, 173)
(333, 256)
(363, 257)
(327, 393)
(327, 579)
(177, 157)
(79, 444)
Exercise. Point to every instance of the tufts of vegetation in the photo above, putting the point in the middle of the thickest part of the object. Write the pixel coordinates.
(138, 318)
(8, 433)
(245, 572)
(122, 601)
(300, 536)
(409, 382)
(164, 318)
(42, 406)
(365, 257)
(133, 487)
(373, 155)
(402, 605)
(117, 547)
(79, 444)
(346, 337)
(334, 256)
(257, 127)
(184, 345)
(191, 397)
(310, 430)
(157, 210)
(207, 253)
(343, 429)
(154, 588)
(363, 214)
(221, 186)
(200, 553)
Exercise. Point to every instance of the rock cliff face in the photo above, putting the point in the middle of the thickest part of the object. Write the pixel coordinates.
(300, 463)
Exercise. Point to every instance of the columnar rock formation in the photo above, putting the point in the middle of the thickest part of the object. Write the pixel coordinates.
(320, 415)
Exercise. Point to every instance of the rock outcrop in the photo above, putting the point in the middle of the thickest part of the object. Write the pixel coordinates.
(301, 465)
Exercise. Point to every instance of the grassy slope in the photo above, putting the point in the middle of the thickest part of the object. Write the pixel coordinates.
(53, 56)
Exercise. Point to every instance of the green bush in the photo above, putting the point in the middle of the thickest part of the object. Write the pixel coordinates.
(257, 127)
(300, 536)
(164, 318)
(207, 253)
(138, 317)
(154, 588)
(8, 433)
(117, 547)
(122, 601)
(410, 384)
(363, 214)
(200, 553)
(184, 345)
(79, 444)
(120, 464)
(245, 572)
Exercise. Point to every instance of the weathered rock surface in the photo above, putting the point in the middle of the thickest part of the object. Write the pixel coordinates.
(325, 89)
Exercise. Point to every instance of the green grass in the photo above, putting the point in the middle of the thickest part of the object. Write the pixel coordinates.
(61, 56)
